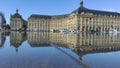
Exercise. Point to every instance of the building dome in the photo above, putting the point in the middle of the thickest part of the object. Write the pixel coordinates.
(16, 15)
(82, 9)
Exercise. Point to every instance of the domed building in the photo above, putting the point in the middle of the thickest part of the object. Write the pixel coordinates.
(96, 20)
(17, 22)
(82, 19)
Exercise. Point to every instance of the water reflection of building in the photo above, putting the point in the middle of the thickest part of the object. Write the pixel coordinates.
(67, 40)
(83, 42)
(2, 39)
(86, 43)
(99, 43)
(16, 39)
(36, 39)
(57, 38)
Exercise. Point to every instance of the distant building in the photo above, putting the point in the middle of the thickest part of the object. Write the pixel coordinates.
(17, 22)
(82, 19)
(2, 21)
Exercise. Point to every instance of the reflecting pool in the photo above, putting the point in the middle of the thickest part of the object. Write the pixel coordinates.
(58, 50)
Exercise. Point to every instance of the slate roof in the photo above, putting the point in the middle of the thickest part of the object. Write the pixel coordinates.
(39, 16)
(95, 12)
(60, 16)
(48, 16)
(79, 11)
(16, 15)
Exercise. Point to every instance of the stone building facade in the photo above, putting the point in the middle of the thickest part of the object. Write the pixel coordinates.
(39, 22)
(82, 19)
(17, 22)
(2, 21)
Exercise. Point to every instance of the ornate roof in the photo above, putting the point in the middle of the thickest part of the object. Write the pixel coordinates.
(16, 15)
(80, 10)
(95, 12)
(60, 16)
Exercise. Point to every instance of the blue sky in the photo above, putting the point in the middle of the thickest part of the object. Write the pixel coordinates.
(53, 7)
